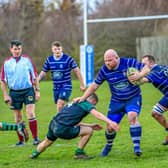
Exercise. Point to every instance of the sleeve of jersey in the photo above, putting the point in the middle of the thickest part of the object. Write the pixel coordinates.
(100, 77)
(73, 63)
(86, 106)
(46, 65)
(2, 75)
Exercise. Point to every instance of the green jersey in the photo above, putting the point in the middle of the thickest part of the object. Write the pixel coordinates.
(73, 113)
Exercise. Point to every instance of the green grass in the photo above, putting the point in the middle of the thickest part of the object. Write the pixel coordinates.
(60, 155)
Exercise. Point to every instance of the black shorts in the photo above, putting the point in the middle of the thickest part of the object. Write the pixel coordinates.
(57, 130)
(26, 96)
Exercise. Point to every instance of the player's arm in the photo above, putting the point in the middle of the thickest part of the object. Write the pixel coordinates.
(91, 89)
(144, 80)
(102, 117)
(144, 71)
(41, 75)
(7, 98)
(79, 75)
(37, 88)
(94, 126)
(135, 76)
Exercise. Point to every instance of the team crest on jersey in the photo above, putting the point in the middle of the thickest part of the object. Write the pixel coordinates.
(121, 85)
(30, 98)
(57, 75)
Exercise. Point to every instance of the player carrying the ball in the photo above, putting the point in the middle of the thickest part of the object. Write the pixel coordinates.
(125, 96)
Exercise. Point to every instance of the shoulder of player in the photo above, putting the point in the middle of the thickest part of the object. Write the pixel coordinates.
(26, 57)
(8, 58)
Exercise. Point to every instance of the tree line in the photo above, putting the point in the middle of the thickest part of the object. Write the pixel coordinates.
(37, 24)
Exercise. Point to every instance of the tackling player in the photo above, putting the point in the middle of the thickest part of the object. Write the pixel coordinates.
(66, 125)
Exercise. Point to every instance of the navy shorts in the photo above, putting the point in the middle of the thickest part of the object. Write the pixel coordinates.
(57, 130)
(118, 109)
(61, 94)
(20, 97)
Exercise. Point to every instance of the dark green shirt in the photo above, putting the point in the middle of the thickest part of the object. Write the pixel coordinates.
(73, 113)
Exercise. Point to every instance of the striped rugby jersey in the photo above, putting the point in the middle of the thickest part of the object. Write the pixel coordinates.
(60, 70)
(159, 78)
(121, 89)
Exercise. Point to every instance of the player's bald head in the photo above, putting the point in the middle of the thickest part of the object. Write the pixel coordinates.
(110, 53)
(111, 59)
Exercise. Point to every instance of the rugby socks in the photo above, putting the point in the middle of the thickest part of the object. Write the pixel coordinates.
(110, 138)
(136, 132)
(79, 151)
(33, 127)
(9, 127)
(35, 154)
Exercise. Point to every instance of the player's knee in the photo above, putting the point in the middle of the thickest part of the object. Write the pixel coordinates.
(90, 131)
(132, 118)
(31, 115)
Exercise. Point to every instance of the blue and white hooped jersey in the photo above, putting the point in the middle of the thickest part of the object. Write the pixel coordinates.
(18, 73)
(60, 70)
(159, 78)
(121, 89)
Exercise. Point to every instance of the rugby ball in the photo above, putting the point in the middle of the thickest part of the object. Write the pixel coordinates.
(130, 71)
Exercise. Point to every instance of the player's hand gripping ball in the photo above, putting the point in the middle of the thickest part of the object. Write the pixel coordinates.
(131, 71)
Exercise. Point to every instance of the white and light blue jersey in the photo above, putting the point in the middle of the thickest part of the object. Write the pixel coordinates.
(18, 73)
(121, 89)
(159, 78)
(60, 70)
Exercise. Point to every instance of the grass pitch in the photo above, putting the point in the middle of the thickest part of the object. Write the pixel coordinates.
(60, 154)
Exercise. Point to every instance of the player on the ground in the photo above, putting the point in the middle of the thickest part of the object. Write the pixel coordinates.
(66, 125)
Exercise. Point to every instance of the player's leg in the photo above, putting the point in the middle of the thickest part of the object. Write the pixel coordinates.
(133, 110)
(29, 101)
(62, 99)
(41, 147)
(85, 135)
(16, 106)
(30, 112)
(157, 114)
(18, 120)
(50, 138)
(111, 134)
(114, 114)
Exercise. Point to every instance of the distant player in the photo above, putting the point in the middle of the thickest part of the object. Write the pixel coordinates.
(159, 78)
(4, 126)
(66, 125)
(60, 65)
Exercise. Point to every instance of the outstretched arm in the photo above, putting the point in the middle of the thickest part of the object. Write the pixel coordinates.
(94, 126)
(91, 89)
(102, 117)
